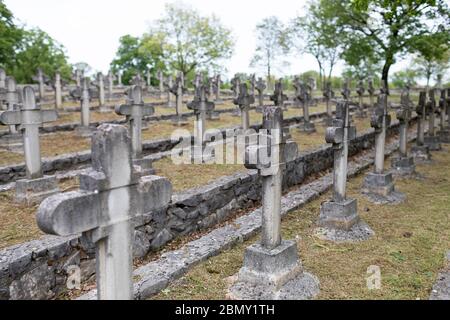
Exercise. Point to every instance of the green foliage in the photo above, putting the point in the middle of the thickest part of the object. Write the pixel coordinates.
(10, 35)
(192, 42)
(38, 50)
(138, 55)
(381, 31)
(401, 78)
(272, 42)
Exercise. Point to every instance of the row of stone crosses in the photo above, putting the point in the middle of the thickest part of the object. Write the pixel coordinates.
(120, 186)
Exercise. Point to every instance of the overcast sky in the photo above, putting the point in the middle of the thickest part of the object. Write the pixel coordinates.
(90, 29)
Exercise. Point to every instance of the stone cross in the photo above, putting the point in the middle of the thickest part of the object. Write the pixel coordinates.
(378, 186)
(211, 94)
(201, 106)
(135, 110)
(403, 164)
(281, 151)
(84, 94)
(217, 84)
(178, 90)
(244, 101)
(235, 86)
(421, 151)
(260, 87)
(252, 84)
(2, 88)
(431, 139)
(119, 78)
(77, 76)
(303, 96)
(371, 90)
(346, 92)
(11, 100)
(40, 78)
(272, 268)
(298, 91)
(138, 81)
(169, 85)
(28, 119)
(149, 78)
(112, 195)
(100, 84)
(444, 132)
(360, 91)
(278, 96)
(58, 90)
(328, 94)
(110, 81)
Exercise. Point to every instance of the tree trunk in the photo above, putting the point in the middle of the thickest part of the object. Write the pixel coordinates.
(385, 74)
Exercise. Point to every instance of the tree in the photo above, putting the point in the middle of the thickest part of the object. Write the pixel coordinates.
(401, 78)
(10, 35)
(272, 44)
(38, 50)
(138, 55)
(318, 36)
(386, 29)
(192, 41)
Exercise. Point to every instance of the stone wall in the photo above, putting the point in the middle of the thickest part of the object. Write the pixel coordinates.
(38, 269)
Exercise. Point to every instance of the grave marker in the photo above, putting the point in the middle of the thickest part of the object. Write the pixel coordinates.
(431, 139)
(420, 151)
(244, 101)
(444, 132)
(361, 113)
(112, 195)
(328, 94)
(260, 87)
(272, 269)
(28, 119)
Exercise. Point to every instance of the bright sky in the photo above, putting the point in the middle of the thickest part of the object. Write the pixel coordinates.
(90, 29)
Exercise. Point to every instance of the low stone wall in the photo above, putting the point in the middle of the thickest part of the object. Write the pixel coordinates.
(38, 269)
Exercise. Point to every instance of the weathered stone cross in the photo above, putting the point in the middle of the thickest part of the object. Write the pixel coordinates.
(431, 139)
(328, 94)
(420, 151)
(379, 185)
(217, 84)
(57, 85)
(444, 132)
(272, 268)
(110, 80)
(304, 97)
(278, 96)
(178, 90)
(361, 113)
(11, 99)
(77, 76)
(135, 110)
(260, 87)
(201, 106)
(403, 164)
(244, 101)
(341, 212)
(169, 85)
(111, 195)
(28, 120)
(100, 84)
(41, 78)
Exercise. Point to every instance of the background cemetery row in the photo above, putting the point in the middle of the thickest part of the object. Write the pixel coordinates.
(156, 233)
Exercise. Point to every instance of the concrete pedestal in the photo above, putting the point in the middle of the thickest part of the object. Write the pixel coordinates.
(33, 191)
(379, 188)
(307, 127)
(444, 136)
(421, 154)
(433, 143)
(273, 275)
(12, 142)
(403, 166)
(84, 131)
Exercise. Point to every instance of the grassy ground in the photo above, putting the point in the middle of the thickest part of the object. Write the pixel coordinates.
(17, 222)
(409, 246)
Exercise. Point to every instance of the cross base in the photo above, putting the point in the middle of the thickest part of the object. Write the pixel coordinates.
(339, 215)
(360, 114)
(33, 191)
(145, 166)
(307, 127)
(104, 109)
(444, 136)
(421, 154)
(433, 143)
(275, 274)
(403, 166)
(12, 142)
(379, 188)
(236, 113)
(84, 131)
